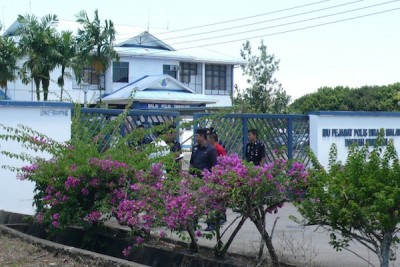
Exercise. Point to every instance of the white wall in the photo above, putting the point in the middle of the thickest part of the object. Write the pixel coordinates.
(222, 101)
(17, 195)
(327, 128)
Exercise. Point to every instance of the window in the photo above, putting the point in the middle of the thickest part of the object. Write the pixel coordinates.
(121, 72)
(90, 76)
(187, 69)
(216, 80)
(170, 70)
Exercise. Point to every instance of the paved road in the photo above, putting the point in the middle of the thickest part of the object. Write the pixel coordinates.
(294, 244)
(309, 245)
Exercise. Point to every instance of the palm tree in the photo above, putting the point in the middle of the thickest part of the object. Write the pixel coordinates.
(95, 44)
(66, 48)
(38, 44)
(8, 62)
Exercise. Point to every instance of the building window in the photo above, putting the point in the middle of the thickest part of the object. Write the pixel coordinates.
(216, 80)
(90, 76)
(170, 70)
(120, 72)
(187, 70)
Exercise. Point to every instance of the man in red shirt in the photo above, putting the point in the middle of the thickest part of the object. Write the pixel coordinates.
(213, 141)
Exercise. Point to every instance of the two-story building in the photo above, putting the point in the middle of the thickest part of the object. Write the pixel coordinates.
(151, 72)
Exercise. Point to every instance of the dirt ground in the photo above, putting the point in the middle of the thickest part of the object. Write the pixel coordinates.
(16, 252)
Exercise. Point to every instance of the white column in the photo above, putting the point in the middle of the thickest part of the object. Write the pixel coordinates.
(203, 78)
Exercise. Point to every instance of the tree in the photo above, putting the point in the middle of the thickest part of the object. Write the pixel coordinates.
(366, 98)
(265, 94)
(8, 61)
(95, 44)
(66, 47)
(359, 200)
(38, 44)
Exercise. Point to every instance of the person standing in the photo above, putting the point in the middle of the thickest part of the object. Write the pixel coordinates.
(213, 141)
(204, 156)
(218, 218)
(255, 150)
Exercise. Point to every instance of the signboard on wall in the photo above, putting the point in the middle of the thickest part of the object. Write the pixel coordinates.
(49, 118)
(350, 128)
(159, 105)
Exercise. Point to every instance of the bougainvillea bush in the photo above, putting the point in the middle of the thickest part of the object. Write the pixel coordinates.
(80, 184)
(252, 191)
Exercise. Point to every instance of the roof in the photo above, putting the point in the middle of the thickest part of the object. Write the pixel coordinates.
(145, 40)
(190, 55)
(158, 89)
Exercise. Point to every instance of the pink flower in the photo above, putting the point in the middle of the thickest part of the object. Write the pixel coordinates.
(127, 251)
(71, 182)
(198, 233)
(93, 217)
(85, 191)
(56, 216)
(95, 182)
(139, 240)
(55, 224)
(39, 217)
(73, 167)
(163, 234)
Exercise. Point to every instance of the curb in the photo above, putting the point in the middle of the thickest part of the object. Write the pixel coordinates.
(73, 252)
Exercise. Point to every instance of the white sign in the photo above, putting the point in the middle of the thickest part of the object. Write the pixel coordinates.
(349, 128)
(54, 122)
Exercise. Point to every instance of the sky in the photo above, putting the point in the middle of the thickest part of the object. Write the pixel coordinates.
(319, 43)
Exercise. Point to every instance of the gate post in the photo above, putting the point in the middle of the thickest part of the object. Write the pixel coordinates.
(244, 138)
(290, 138)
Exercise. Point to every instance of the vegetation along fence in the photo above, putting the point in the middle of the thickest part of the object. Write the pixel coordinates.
(287, 132)
(104, 120)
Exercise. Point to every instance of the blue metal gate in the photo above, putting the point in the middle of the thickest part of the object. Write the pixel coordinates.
(96, 120)
(287, 132)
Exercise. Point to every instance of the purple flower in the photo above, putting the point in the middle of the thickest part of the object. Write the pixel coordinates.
(56, 216)
(73, 167)
(95, 182)
(55, 224)
(198, 233)
(163, 234)
(139, 240)
(39, 217)
(71, 182)
(93, 217)
(127, 251)
(85, 191)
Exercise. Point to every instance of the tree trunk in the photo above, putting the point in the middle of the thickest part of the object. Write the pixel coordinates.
(193, 244)
(268, 242)
(230, 240)
(46, 84)
(261, 250)
(37, 86)
(385, 250)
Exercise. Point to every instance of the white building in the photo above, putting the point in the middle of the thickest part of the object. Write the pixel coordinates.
(159, 75)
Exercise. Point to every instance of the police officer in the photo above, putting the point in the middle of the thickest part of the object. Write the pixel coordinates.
(204, 156)
(255, 150)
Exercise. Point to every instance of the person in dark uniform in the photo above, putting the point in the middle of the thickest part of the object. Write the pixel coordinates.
(170, 137)
(204, 156)
(255, 150)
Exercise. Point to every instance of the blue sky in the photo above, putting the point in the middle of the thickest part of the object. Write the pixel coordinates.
(356, 52)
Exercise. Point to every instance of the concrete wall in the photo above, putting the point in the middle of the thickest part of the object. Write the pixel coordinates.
(51, 119)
